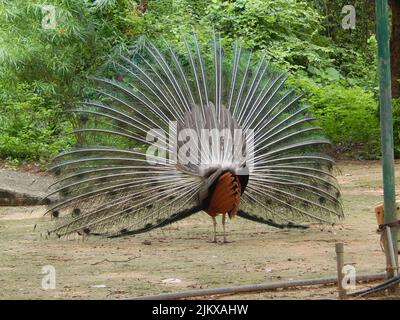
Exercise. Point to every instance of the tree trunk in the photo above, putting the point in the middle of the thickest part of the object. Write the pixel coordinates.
(395, 48)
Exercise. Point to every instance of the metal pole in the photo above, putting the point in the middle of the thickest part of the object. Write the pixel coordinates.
(391, 252)
(382, 31)
(340, 263)
(255, 287)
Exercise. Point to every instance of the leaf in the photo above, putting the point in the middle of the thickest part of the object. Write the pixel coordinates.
(331, 74)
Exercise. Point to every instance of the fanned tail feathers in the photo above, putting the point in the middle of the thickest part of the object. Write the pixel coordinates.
(120, 178)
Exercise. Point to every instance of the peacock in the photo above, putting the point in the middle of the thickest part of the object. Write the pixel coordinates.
(198, 128)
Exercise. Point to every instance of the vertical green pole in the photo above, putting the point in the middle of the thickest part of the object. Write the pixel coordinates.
(389, 195)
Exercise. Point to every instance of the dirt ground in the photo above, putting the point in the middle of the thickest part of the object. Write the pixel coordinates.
(99, 268)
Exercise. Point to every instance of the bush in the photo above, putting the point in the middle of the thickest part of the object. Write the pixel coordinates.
(396, 127)
(43, 71)
(288, 29)
(347, 115)
(31, 128)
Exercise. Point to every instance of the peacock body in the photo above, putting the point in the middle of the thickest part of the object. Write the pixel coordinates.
(215, 130)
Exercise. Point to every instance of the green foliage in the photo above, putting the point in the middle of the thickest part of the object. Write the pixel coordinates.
(31, 128)
(287, 29)
(56, 61)
(347, 115)
(396, 126)
(43, 71)
(353, 39)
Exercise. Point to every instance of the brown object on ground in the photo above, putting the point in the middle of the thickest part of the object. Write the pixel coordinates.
(379, 212)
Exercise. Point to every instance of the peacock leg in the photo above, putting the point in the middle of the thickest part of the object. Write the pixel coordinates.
(223, 227)
(215, 230)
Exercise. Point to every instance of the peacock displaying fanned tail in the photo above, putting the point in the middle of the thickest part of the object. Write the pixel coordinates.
(113, 182)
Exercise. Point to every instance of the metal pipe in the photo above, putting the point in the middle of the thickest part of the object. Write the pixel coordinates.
(339, 248)
(386, 118)
(391, 251)
(255, 287)
(380, 287)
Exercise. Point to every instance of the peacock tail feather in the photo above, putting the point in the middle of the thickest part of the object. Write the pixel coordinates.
(109, 184)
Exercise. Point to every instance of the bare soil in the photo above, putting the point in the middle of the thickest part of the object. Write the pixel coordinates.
(98, 268)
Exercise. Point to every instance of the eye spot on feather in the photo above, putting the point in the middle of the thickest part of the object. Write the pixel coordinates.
(86, 230)
(83, 117)
(55, 214)
(76, 212)
(64, 192)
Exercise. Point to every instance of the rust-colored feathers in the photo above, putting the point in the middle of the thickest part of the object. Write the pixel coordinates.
(226, 196)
